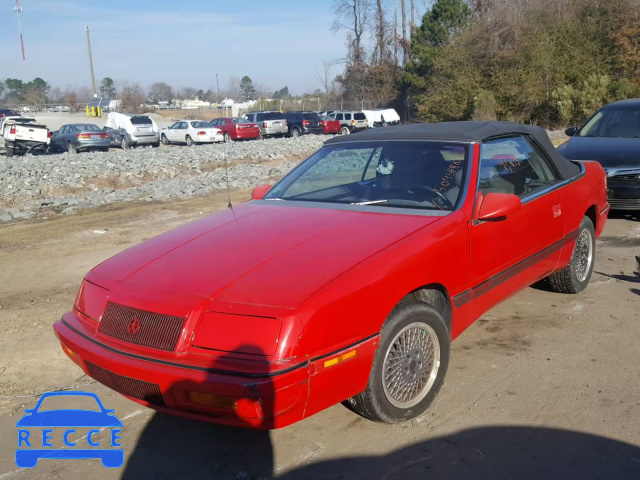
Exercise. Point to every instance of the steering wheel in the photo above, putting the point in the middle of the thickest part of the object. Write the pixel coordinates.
(445, 205)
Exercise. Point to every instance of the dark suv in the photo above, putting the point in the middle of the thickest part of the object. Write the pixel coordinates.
(301, 123)
(5, 112)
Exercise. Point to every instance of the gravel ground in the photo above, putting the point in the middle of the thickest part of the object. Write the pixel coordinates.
(66, 183)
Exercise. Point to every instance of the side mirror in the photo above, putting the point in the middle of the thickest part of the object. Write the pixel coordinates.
(498, 206)
(260, 191)
(571, 131)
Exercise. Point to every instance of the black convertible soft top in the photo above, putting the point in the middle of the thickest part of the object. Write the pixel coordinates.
(466, 132)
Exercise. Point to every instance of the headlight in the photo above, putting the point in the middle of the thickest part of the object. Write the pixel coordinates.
(91, 300)
(238, 333)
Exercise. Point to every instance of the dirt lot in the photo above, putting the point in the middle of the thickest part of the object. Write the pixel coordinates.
(543, 386)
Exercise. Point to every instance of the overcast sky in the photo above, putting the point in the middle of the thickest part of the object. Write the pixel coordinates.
(181, 42)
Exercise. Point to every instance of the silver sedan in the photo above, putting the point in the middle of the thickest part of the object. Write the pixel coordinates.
(79, 137)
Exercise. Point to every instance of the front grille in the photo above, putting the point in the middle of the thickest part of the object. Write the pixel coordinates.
(629, 177)
(624, 203)
(141, 327)
(149, 392)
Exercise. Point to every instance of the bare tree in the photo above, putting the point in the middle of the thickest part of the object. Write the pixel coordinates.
(404, 32)
(413, 16)
(381, 33)
(324, 76)
(395, 33)
(352, 16)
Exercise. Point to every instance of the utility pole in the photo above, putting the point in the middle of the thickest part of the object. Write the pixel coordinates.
(218, 84)
(93, 78)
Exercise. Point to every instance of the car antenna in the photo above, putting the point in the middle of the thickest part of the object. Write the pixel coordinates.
(226, 174)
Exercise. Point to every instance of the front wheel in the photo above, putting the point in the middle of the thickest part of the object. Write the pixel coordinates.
(409, 367)
(575, 277)
(71, 148)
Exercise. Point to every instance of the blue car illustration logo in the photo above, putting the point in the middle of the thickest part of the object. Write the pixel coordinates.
(38, 427)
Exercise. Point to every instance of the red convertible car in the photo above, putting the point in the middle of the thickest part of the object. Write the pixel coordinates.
(347, 280)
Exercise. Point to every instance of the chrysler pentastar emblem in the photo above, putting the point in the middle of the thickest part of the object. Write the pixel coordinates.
(134, 326)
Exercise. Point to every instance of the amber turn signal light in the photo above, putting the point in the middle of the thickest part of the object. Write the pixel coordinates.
(341, 358)
(212, 400)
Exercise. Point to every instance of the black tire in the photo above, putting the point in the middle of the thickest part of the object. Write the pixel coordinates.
(295, 133)
(124, 144)
(9, 152)
(155, 145)
(575, 277)
(71, 148)
(104, 149)
(189, 141)
(227, 138)
(374, 403)
(164, 139)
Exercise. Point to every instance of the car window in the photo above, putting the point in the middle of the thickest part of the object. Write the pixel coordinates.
(260, 117)
(175, 126)
(512, 165)
(89, 127)
(416, 174)
(141, 120)
(62, 131)
(183, 126)
(339, 116)
(314, 117)
(200, 124)
(613, 122)
(347, 116)
(239, 121)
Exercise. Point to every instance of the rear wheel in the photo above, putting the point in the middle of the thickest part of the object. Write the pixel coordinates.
(9, 152)
(575, 277)
(164, 139)
(227, 137)
(344, 131)
(295, 132)
(189, 140)
(409, 367)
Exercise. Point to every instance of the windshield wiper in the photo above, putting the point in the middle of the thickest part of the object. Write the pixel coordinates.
(369, 202)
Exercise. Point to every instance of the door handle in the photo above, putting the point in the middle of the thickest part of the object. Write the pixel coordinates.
(557, 211)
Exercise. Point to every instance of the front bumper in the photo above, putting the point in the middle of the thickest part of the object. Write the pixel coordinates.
(263, 401)
(624, 196)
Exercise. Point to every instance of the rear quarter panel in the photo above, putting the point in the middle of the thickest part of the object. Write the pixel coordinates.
(586, 193)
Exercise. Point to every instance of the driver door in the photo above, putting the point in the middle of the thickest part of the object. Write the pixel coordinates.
(512, 253)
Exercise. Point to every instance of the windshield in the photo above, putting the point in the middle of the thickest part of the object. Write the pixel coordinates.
(273, 116)
(200, 125)
(613, 122)
(140, 120)
(240, 121)
(410, 174)
(88, 128)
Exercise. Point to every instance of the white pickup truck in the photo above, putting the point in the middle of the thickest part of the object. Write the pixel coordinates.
(22, 135)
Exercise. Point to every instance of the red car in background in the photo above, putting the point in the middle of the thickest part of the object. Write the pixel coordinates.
(347, 280)
(329, 125)
(236, 128)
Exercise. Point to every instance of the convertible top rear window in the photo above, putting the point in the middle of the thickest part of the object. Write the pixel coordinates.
(409, 174)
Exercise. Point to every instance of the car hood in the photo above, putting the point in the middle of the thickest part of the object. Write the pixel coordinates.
(257, 253)
(610, 152)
